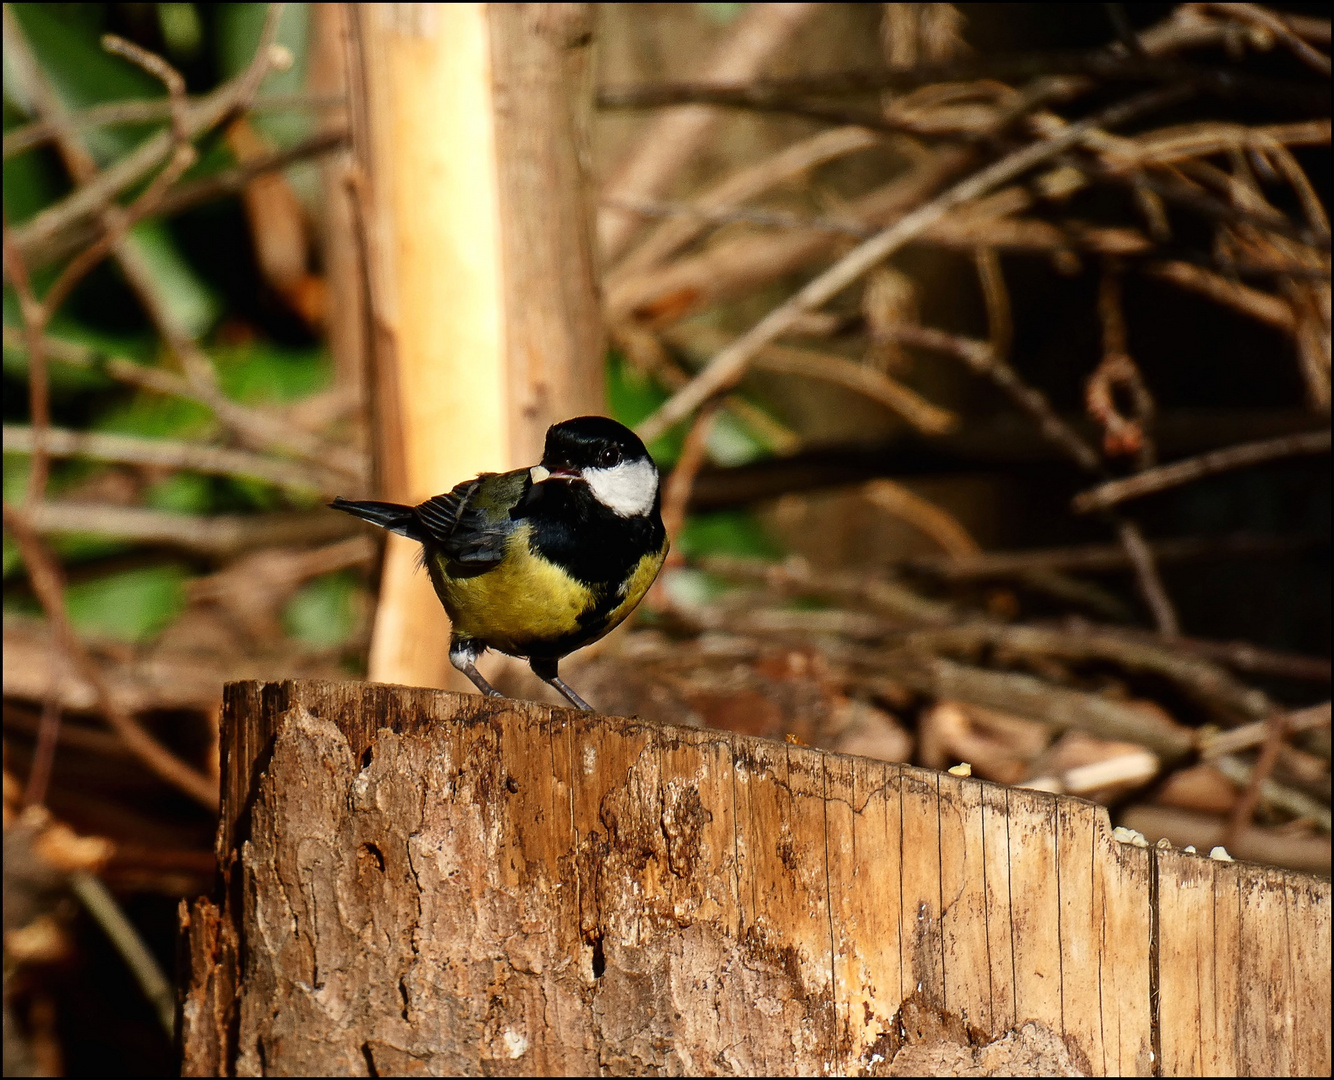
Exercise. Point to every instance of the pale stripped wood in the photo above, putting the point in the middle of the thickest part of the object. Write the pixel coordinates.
(426, 882)
(1035, 908)
(923, 959)
(963, 885)
(1186, 955)
(999, 926)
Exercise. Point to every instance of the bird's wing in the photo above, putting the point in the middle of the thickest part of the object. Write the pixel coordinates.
(467, 525)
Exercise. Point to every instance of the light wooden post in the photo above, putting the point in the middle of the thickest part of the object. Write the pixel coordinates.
(414, 881)
(485, 326)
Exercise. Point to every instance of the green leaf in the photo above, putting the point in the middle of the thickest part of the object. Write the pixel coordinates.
(727, 532)
(632, 397)
(239, 27)
(30, 180)
(192, 306)
(66, 39)
(16, 470)
(181, 29)
(722, 14)
(263, 373)
(133, 605)
(732, 442)
(155, 416)
(324, 613)
(181, 493)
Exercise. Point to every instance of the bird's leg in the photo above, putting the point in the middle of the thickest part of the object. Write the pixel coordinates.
(546, 671)
(463, 654)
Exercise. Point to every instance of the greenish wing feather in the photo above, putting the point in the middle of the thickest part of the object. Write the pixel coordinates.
(471, 524)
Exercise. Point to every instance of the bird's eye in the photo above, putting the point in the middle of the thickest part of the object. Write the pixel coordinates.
(609, 456)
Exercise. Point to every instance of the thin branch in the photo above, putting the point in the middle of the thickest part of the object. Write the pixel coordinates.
(1249, 735)
(794, 95)
(254, 425)
(978, 356)
(1203, 680)
(47, 582)
(102, 906)
(172, 454)
(728, 366)
(219, 535)
(1094, 558)
(1252, 303)
(1275, 24)
(925, 416)
(680, 481)
(149, 110)
(1025, 695)
(928, 518)
(707, 214)
(1150, 583)
(746, 183)
(34, 316)
(92, 198)
(1196, 468)
(191, 193)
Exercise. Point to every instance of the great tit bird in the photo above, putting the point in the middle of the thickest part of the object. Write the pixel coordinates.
(539, 562)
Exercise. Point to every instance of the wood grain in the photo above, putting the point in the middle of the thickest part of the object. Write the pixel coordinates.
(417, 881)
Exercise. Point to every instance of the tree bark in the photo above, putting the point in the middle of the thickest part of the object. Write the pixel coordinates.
(417, 881)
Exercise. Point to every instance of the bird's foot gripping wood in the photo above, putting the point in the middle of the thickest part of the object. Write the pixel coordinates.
(463, 655)
(546, 671)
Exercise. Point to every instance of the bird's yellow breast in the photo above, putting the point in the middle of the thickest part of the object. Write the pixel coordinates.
(526, 602)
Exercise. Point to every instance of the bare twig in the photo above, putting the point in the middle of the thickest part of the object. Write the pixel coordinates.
(1025, 695)
(102, 906)
(191, 193)
(940, 525)
(1095, 558)
(705, 214)
(1150, 584)
(1276, 25)
(926, 417)
(694, 453)
(1248, 735)
(219, 536)
(744, 184)
(142, 111)
(91, 198)
(44, 574)
(34, 316)
(670, 141)
(48, 738)
(254, 425)
(1122, 435)
(1205, 682)
(1250, 302)
(1257, 787)
(170, 454)
(728, 366)
(996, 297)
(1196, 468)
(978, 356)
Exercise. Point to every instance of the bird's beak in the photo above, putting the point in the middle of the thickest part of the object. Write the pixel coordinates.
(540, 474)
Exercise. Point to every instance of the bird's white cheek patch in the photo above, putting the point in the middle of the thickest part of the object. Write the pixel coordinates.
(627, 489)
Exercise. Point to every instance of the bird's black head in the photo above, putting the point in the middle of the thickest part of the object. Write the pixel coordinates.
(608, 456)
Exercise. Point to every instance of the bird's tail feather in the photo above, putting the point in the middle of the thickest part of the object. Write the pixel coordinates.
(395, 517)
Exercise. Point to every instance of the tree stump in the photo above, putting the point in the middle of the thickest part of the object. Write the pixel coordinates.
(414, 881)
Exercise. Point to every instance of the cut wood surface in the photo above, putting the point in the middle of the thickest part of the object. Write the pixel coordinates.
(418, 881)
